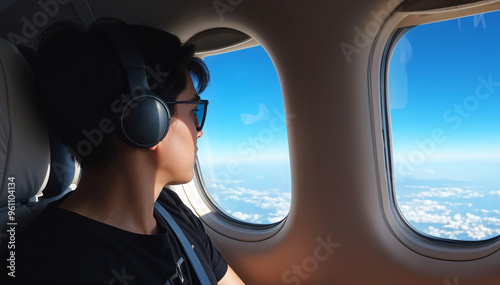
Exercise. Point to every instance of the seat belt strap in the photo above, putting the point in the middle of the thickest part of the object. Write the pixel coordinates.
(191, 255)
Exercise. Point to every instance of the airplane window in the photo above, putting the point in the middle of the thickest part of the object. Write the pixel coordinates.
(243, 153)
(444, 116)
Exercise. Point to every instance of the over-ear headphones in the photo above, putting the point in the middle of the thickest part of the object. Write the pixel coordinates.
(143, 119)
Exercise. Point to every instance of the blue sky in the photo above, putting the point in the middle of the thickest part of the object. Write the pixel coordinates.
(444, 94)
(243, 152)
(242, 81)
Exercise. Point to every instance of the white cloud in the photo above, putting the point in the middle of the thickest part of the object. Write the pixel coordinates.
(264, 206)
(443, 192)
(473, 195)
(427, 211)
(436, 232)
(495, 193)
(251, 218)
(234, 197)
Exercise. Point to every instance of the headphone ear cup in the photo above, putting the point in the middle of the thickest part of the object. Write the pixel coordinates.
(144, 121)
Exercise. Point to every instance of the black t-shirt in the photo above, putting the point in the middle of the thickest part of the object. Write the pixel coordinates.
(62, 247)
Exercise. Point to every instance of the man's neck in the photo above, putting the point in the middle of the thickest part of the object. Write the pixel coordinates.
(122, 196)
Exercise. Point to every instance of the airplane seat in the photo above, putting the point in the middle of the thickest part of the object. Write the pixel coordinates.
(63, 170)
(63, 166)
(24, 142)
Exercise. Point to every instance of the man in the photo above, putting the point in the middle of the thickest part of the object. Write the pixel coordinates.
(107, 231)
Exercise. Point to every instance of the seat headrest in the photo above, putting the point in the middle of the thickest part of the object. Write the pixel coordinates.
(24, 143)
(63, 169)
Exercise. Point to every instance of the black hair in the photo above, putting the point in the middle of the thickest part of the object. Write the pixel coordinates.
(79, 76)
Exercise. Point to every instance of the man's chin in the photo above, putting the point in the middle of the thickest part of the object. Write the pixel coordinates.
(182, 180)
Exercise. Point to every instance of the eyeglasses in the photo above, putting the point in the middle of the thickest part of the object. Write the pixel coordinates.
(200, 111)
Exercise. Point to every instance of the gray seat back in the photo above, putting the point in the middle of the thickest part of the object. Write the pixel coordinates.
(24, 142)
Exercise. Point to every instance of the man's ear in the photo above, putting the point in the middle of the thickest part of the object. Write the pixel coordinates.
(153, 147)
